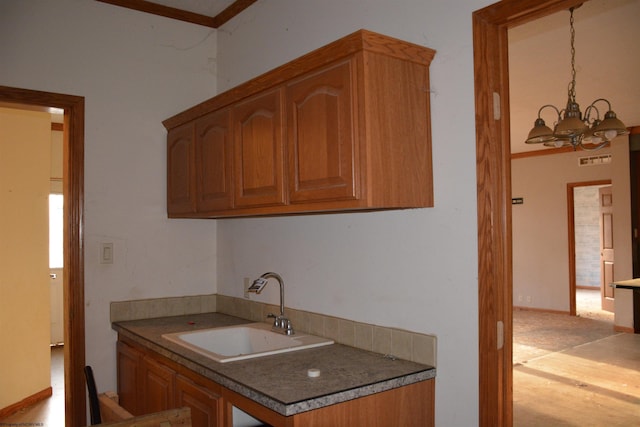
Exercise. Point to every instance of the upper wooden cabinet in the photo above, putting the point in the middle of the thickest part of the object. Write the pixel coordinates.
(343, 128)
(199, 158)
(181, 175)
(213, 159)
(258, 150)
(321, 140)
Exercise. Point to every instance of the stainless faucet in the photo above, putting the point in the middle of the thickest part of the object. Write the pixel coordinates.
(281, 324)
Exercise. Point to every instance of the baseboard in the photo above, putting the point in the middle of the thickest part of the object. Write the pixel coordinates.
(626, 329)
(27, 401)
(540, 310)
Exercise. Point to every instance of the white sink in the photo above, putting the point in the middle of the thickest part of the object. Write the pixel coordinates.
(239, 342)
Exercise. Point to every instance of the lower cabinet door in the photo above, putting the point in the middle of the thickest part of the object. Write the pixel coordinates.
(158, 385)
(129, 378)
(206, 406)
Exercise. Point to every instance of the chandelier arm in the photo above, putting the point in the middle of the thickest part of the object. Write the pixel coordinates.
(594, 147)
(587, 112)
(602, 99)
(550, 106)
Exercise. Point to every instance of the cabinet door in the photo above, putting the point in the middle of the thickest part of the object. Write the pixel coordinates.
(158, 382)
(181, 177)
(128, 360)
(258, 150)
(206, 406)
(213, 162)
(322, 139)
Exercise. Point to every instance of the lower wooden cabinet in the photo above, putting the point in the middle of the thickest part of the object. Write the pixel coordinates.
(206, 406)
(129, 376)
(149, 382)
(158, 383)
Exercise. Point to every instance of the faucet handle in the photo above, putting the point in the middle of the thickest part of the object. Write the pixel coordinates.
(287, 326)
(276, 320)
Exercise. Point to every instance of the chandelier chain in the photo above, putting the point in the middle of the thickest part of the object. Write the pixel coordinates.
(572, 86)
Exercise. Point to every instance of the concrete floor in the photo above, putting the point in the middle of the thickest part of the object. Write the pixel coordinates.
(574, 371)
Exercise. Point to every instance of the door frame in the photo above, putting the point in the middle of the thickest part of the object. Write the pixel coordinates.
(572, 237)
(493, 174)
(73, 285)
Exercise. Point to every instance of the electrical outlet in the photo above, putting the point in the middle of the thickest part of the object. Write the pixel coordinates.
(247, 283)
(519, 298)
(528, 298)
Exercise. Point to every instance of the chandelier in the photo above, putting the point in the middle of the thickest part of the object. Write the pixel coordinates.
(571, 128)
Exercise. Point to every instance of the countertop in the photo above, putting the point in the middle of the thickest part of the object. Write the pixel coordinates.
(280, 382)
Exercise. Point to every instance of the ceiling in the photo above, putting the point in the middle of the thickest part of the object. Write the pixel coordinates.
(607, 56)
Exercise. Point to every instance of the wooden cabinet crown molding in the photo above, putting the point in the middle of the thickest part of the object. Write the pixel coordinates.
(361, 40)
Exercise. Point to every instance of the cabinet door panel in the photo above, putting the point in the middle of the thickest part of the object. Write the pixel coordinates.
(158, 384)
(258, 135)
(181, 185)
(206, 406)
(322, 139)
(213, 162)
(128, 361)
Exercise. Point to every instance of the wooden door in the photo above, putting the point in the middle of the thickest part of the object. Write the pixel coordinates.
(206, 406)
(57, 306)
(606, 248)
(321, 136)
(181, 177)
(259, 150)
(213, 156)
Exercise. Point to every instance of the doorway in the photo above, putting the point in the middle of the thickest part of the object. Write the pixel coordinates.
(493, 166)
(587, 233)
(73, 190)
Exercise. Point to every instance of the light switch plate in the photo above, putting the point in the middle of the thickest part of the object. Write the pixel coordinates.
(106, 253)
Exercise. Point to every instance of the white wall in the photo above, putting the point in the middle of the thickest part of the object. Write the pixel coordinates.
(540, 227)
(414, 269)
(134, 70)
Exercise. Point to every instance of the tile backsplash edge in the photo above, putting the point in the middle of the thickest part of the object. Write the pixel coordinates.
(417, 347)
(121, 311)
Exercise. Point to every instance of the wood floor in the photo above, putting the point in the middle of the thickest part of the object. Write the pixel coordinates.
(574, 371)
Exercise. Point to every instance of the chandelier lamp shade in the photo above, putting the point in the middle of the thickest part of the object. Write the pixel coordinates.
(571, 127)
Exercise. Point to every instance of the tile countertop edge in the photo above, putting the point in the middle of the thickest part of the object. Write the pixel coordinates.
(286, 409)
(362, 391)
